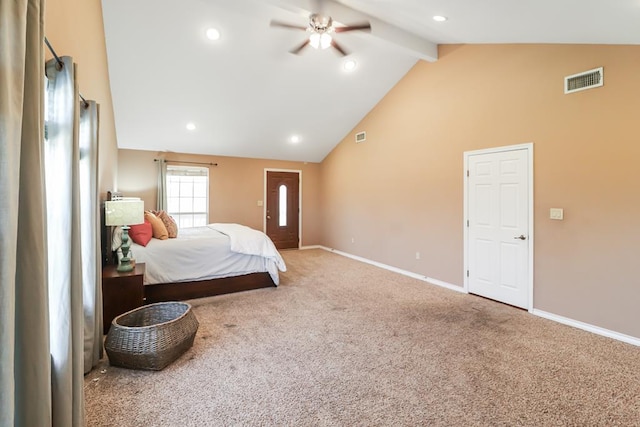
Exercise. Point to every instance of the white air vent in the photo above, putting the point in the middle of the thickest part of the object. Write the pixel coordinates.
(585, 80)
(361, 136)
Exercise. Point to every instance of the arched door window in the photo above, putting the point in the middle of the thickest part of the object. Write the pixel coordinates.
(282, 204)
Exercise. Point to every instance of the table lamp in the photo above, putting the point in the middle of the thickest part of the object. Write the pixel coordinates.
(124, 213)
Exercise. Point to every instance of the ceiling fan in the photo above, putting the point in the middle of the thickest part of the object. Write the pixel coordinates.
(320, 28)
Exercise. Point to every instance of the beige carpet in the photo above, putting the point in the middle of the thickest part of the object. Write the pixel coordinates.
(347, 344)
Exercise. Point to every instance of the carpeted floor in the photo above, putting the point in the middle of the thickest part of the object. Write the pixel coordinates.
(347, 344)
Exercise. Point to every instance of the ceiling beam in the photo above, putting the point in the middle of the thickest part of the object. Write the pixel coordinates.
(414, 45)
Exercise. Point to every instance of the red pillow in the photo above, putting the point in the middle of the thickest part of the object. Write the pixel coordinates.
(141, 233)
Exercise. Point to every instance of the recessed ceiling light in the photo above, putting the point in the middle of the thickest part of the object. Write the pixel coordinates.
(439, 18)
(213, 34)
(191, 126)
(349, 65)
(294, 139)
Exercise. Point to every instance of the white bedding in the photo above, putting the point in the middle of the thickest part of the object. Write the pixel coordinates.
(209, 252)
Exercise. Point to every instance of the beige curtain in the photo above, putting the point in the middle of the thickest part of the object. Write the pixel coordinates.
(161, 197)
(50, 299)
(25, 363)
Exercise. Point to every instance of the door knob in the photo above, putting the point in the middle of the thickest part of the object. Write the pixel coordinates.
(521, 237)
(268, 216)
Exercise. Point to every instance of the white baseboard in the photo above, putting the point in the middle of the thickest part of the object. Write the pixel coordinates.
(304, 248)
(398, 270)
(587, 327)
(446, 285)
(540, 313)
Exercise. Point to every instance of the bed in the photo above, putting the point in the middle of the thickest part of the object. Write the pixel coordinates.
(206, 261)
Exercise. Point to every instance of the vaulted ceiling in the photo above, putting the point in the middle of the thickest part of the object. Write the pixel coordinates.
(247, 96)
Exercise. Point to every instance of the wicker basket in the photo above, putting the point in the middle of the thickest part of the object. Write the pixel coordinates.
(152, 336)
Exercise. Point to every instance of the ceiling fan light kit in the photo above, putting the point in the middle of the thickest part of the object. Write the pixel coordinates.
(320, 41)
(320, 28)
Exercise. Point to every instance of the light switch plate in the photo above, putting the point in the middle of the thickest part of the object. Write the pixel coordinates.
(259, 202)
(556, 213)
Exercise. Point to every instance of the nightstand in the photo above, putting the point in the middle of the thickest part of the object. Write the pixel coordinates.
(121, 292)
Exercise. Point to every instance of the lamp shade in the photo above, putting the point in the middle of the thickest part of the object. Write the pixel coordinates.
(124, 212)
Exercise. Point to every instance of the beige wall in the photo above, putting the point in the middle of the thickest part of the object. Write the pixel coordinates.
(236, 185)
(401, 191)
(74, 28)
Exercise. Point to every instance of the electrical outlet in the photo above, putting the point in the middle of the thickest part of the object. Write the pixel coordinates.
(417, 255)
(353, 240)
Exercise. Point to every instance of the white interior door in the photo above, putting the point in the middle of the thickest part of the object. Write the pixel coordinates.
(498, 209)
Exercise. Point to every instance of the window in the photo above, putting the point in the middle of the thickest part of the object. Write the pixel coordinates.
(282, 221)
(188, 195)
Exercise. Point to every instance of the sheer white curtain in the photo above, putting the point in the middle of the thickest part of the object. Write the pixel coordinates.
(161, 199)
(90, 224)
(62, 184)
(25, 367)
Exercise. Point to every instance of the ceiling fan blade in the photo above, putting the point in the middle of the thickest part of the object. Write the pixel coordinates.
(339, 48)
(296, 50)
(285, 25)
(365, 26)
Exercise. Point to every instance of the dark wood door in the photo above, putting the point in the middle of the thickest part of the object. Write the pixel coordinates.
(283, 209)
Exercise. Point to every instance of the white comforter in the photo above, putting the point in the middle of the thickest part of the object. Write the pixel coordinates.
(209, 252)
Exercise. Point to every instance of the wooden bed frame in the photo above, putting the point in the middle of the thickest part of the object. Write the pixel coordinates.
(161, 292)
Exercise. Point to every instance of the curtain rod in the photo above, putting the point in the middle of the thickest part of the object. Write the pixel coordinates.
(61, 64)
(184, 161)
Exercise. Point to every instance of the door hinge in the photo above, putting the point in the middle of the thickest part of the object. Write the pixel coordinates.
(467, 172)
(467, 273)
(467, 223)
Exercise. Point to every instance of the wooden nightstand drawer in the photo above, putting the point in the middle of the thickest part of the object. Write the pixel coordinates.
(121, 292)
